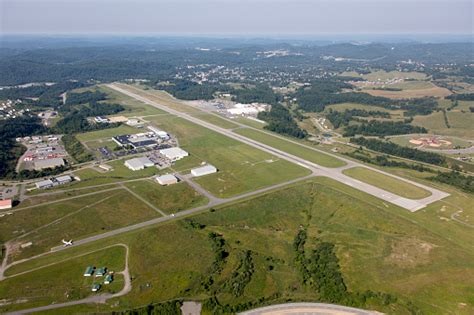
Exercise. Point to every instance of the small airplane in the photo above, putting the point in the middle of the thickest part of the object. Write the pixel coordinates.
(67, 243)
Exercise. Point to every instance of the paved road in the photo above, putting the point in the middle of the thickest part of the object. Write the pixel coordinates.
(308, 309)
(334, 173)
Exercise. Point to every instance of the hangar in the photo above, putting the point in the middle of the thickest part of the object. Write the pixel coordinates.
(203, 170)
(137, 164)
(174, 154)
(167, 179)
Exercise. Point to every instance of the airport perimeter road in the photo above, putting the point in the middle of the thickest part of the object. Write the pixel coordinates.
(336, 174)
(308, 309)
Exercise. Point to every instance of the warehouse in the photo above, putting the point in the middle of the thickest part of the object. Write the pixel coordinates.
(203, 170)
(48, 183)
(5, 204)
(49, 163)
(137, 164)
(166, 179)
(174, 154)
(63, 180)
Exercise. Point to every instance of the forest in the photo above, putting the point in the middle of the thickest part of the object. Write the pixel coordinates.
(382, 128)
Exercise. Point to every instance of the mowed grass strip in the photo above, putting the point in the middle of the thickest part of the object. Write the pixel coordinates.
(292, 148)
(216, 120)
(388, 183)
(170, 199)
(107, 133)
(242, 168)
(110, 211)
(61, 282)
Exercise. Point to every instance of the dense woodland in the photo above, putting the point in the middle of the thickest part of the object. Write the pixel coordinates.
(339, 119)
(382, 128)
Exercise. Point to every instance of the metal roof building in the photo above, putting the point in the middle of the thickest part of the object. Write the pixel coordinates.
(203, 170)
(63, 179)
(137, 164)
(48, 163)
(44, 184)
(167, 179)
(174, 154)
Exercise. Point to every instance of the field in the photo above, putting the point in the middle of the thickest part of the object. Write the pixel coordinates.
(425, 262)
(106, 133)
(410, 90)
(216, 120)
(241, 168)
(295, 149)
(455, 142)
(171, 198)
(61, 282)
(388, 183)
(88, 216)
(460, 123)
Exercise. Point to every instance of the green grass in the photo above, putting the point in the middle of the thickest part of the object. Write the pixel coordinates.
(216, 120)
(112, 210)
(107, 133)
(63, 281)
(250, 122)
(292, 148)
(387, 183)
(460, 123)
(241, 168)
(414, 256)
(170, 199)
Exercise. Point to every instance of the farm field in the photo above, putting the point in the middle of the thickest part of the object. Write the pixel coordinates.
(63, 281)
(111, 210)
(241, 168)
(460, 124)
(170, 199)
(305, 153)
(409, 92)
(386, 249)
(388, 183)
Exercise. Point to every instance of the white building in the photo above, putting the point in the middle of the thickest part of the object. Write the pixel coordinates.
(48, 183)
(137, 164)
(63, 179)
(166, 179)
(203, 170)
(174, 154)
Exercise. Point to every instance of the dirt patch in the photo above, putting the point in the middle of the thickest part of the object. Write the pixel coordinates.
(409, 252)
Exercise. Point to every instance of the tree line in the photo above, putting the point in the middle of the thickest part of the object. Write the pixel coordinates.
(382, 128)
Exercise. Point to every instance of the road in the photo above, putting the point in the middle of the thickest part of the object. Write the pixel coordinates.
(309, 309)
(334, 173)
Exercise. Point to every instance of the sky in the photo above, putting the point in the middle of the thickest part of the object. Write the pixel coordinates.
(241, 17)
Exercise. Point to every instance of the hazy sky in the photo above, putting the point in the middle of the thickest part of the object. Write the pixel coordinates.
(236, 16)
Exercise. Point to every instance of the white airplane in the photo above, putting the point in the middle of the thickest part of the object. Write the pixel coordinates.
(67, 243)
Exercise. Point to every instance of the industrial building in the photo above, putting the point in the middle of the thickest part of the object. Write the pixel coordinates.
(167, 179)
(174, 154)
(5, 204)
(48, 163)
(137, 164)
(203, 170)
(48, 183)
(139, 140)
(160, 133)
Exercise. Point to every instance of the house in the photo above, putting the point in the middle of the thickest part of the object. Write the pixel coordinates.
(203, 170)
(5, 204)
(95, 287)
(174, 154)
(137, 164)
(167, 179)
(108, 279)
(89, 271)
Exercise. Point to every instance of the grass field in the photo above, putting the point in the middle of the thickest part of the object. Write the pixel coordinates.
(416, 257)
(61, 282)
(107, 133)
(405, 141)
(241, 168)
(111, 210)
(305, 153)
(409, 92)
(250, 122)
(216, 120)
(460, 123)
(388, 183)
(170, 199)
